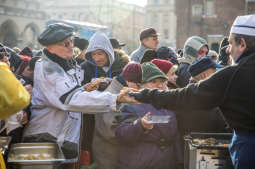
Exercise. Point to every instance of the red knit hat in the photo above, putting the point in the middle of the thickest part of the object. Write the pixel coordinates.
(163, 65)
(132, 72)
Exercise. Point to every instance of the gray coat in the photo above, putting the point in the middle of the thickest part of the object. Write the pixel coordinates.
(105, 146)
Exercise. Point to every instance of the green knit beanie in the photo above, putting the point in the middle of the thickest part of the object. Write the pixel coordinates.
(150, 72)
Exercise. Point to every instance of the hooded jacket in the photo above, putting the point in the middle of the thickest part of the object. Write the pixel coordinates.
(116, 61)
(190, 52)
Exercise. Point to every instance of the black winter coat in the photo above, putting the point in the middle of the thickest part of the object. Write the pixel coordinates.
(183, 74)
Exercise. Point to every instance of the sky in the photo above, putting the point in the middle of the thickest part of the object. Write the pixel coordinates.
(136, 2)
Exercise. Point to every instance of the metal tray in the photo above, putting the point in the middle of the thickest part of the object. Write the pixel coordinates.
(36, 149)
(222, 140)
(4, 143)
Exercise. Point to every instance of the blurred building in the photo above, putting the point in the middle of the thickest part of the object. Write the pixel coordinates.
(160, 14)
(210, 19)
(124, 21)
(21, 21)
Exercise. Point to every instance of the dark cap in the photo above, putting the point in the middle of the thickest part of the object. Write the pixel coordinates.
(81, 43)
(148, 32)
(201, 65)
(26, 52)
(116, 44)
(55, 33)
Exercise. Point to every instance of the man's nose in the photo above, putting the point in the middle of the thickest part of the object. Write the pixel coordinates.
(228, 50)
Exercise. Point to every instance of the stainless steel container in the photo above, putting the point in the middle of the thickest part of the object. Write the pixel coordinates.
(4, 143)
(207, 151)
(35, 156)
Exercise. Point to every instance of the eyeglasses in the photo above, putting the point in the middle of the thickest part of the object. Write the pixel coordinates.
(66, 43)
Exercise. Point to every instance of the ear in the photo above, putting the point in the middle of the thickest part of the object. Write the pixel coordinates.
(243, 45)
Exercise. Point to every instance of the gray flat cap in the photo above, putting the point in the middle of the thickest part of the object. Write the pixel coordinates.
(55, 33)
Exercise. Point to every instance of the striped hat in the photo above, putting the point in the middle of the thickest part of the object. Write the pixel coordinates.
(244, 25)
(193, 45)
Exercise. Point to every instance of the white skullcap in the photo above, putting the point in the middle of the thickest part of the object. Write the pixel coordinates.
(244, 25)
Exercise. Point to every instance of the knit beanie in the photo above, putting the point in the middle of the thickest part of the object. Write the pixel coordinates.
(150, 72)
(201, 65)
(163, 65)
(148, 56)
(193, 45)
(132, 72)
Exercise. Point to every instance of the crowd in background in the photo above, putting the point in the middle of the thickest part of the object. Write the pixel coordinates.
(59, 76)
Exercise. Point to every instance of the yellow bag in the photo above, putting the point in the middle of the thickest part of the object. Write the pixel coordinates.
(13, 96)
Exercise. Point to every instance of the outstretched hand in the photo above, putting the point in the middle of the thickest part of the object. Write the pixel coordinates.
(124, 97)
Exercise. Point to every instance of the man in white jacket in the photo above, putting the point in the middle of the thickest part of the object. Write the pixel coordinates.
(58, 99)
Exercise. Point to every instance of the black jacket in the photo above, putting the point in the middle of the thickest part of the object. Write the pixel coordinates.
(183, 74)
(232, 89)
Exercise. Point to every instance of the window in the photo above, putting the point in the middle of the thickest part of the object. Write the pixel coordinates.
(197, 10)
(155, 1)
(166, 33)
(209, 8)
(166, 1)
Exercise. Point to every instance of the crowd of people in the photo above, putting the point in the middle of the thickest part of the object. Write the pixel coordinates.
(95, 100)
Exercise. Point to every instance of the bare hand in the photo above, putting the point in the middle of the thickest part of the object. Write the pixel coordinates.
(90, 87)
(146, 125)
(29, 89)
(22, 118)
(123, 97)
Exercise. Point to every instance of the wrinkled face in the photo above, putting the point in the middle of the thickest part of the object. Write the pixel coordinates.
(158, 83)
(63, 49)
(27, 72)
(171, 77)
(151, 42)
(133, 85)
(99, 57)
(202, 52)
(234, 49)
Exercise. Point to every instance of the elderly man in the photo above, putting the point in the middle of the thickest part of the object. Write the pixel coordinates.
(58, 97)
(232, 89)
(148, 40)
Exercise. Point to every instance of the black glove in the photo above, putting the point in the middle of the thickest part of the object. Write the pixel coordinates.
(142, 96)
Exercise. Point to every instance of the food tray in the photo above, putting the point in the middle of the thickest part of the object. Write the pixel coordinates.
(35, 154)
(209, 140)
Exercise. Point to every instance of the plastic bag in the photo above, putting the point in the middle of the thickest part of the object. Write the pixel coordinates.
(13, 96)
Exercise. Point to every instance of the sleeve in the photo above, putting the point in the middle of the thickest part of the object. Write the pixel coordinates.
(62, 93)
(130, 129)
(204, 95)
(183, 77)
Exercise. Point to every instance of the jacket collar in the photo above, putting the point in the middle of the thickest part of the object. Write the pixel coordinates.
(55, 58)
(244, 55)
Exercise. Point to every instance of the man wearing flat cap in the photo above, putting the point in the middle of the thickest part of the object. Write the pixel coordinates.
(148, 40)
(232, 89)
(58, 97)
